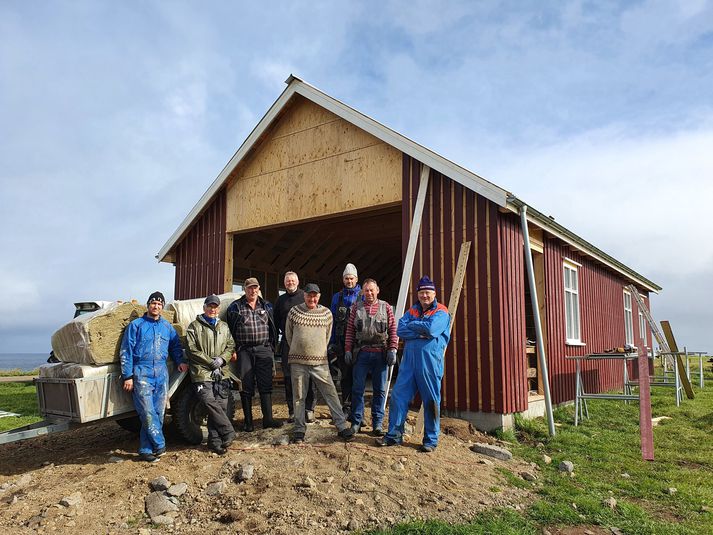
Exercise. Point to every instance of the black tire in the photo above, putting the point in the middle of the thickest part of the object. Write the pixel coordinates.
(132, 424)
(190, 418)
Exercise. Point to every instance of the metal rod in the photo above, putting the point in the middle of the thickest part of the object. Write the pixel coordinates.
(538, 324)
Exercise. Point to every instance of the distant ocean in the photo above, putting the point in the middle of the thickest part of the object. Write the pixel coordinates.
(22, 361)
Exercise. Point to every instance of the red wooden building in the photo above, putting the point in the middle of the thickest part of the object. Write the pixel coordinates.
(318, 184)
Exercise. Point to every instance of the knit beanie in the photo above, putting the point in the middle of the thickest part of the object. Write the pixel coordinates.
(156, 296)
(426, 284)
(350, 270)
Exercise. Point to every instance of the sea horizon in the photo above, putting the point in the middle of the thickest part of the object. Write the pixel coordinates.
(22, 361)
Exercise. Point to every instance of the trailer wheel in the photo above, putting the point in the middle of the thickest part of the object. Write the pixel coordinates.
(132, 424)
(190, 417)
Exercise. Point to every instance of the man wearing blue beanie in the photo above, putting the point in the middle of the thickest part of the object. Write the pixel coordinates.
(425, 332)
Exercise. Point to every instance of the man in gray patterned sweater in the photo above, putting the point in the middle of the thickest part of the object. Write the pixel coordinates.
(307, 331)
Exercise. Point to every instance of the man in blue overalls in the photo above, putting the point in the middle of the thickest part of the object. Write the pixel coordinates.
(425, 330)
(146, 344)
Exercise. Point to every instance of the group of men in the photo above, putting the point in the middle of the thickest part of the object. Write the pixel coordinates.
(358, 333)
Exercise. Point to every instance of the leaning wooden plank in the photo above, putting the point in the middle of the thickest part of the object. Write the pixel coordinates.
(668, 333)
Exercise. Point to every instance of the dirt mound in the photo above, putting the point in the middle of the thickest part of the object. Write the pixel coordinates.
(321, 486)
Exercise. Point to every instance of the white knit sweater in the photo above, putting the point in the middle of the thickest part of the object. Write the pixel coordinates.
(307, 332)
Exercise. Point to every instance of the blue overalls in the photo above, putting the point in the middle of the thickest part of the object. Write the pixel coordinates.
(144, 349)
(425, 335)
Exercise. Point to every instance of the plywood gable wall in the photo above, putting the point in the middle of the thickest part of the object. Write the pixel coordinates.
(311, 164)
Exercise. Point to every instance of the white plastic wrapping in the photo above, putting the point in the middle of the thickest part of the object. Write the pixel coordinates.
(71, 370)
(95, 338)
(186, 311)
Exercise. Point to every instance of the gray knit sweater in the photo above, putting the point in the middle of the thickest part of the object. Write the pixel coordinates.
(307, 333)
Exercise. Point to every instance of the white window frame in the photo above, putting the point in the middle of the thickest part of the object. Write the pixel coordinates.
(628, 319)
(643, 327)
(572, 317)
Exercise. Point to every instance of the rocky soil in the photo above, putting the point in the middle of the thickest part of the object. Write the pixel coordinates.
(87, 481)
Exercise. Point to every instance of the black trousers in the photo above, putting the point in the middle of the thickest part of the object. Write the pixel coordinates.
(345, 370)
(214, 396)
(310, 400)
(255, 366)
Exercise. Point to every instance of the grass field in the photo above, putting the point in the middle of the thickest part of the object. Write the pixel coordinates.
(671, 495)
(19, 398)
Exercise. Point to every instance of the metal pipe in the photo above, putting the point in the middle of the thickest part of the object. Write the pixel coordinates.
(538, 324)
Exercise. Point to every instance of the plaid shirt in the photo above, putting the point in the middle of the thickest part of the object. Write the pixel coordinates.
(252, 326)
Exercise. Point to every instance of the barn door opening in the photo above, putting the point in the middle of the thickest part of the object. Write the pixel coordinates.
(533, 371)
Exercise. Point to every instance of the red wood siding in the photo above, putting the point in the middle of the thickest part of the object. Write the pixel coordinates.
(513, 271)
(474, 370)
(601, 302)
(200, 256)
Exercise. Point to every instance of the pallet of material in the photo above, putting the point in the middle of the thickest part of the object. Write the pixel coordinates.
(95, 338)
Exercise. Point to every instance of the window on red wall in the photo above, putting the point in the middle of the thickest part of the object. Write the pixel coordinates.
(571, 303)
(628, 320)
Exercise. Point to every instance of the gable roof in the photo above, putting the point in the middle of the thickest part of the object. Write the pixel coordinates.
(435, 161)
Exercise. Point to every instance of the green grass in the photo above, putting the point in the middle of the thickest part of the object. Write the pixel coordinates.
(603, 448)
(504, 522)
(21, 399)
(18, 372)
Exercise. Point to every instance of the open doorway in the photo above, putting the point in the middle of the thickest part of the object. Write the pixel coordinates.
(533, 370)
(318, 251)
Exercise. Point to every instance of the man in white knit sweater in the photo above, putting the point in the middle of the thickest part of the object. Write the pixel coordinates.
(307, 331)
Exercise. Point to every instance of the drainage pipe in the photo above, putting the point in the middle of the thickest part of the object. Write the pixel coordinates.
(538, 323)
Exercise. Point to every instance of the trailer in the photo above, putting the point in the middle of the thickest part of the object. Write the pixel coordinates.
(67, 403)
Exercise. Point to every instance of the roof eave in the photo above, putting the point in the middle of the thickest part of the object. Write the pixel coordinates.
(550, 225)
(296, 85)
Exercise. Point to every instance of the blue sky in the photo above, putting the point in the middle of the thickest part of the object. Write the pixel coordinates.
(116, 116)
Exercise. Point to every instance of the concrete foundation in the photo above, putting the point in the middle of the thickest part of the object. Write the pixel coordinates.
(490, 421)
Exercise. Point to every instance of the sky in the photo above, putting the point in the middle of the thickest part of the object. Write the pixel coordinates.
(115, 117)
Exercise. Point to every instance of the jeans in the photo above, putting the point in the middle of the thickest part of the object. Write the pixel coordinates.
(301, 374)
(374, 362)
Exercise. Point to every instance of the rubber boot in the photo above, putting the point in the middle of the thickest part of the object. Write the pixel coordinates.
(247, 402)
(266, 406)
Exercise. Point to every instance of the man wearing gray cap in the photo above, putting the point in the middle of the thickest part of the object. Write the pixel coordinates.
(307, 331)
(342, 302)
(210, 346)
(253, 328)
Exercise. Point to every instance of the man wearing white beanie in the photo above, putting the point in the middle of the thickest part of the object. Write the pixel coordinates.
(342, 302)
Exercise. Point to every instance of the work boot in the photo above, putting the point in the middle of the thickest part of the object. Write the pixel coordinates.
(346, 434)
(309, 417)
(356, 428)
(228, 440)
(266, 406)
(291, 417)
(218, 449)
(377, 431)
(247, 402)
